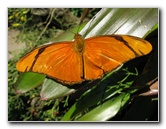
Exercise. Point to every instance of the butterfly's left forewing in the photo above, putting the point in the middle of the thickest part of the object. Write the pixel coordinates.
(58, 61)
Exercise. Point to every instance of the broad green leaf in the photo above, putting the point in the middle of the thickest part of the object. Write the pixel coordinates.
(111, 85)
(51, 90)
(128, 21)
(106, 110)
(28, 81)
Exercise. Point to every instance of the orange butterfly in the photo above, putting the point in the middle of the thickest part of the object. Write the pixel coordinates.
(73, 62)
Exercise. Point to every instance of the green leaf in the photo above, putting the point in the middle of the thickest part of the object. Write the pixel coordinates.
(106, 110)
(111, 85)
(28, 81)
(52, 90)
(128, 21)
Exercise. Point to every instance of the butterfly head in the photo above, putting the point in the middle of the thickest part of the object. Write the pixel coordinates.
(79, 43)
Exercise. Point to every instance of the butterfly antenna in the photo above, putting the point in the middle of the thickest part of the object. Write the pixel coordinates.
(84, 14)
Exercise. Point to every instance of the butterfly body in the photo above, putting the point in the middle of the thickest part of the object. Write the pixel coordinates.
(83, 59)
(79, 44)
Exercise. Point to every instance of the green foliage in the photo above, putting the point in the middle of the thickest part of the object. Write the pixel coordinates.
(112, 92)
(78, 11)
(17, 18)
